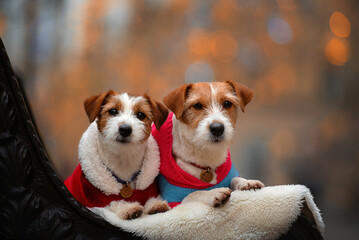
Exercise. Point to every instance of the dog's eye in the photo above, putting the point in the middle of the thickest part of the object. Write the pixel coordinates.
(227, 104)
(140, 115)
(198, 106)
(112, 112)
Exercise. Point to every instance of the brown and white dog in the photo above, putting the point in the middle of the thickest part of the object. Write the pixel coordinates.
(119, 158)
(202, 127)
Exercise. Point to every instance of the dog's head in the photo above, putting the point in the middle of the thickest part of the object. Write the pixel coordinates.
(208, 111)
(125, 118)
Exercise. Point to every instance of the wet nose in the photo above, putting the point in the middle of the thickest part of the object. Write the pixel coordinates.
(125, 130)
(216, 129)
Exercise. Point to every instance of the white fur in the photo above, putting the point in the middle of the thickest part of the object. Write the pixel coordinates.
(186, 151)
(123, 159)
(92, 152)
(261, 214)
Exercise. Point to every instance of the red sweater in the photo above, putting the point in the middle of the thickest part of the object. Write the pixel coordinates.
(90, 196)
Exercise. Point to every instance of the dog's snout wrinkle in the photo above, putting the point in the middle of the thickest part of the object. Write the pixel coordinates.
(217, 129)
(125, 130)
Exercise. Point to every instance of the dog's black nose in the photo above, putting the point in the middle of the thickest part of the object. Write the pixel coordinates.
(216, 129)
(125, 130)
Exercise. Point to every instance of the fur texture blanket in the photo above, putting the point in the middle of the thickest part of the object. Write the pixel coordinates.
(262, 214)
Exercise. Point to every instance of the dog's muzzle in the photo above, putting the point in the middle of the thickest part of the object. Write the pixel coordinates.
(125, 131)
(217, 130)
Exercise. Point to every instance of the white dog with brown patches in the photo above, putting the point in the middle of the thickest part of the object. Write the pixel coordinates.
(119, 158)
(198, 135)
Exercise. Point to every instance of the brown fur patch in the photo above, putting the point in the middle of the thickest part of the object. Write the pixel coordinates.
(144, 107)
(160, 112)
(225, 93)
(202, 93)
(111, 102)
(93, 104)
(244, 93)
(175, 100)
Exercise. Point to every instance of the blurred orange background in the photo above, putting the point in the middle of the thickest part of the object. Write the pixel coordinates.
(300, 57)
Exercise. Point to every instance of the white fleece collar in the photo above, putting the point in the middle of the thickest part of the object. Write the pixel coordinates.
(101, 178)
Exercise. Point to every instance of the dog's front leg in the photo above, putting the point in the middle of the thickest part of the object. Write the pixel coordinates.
(125, 210)
(239, 183)
(156, 205)
(215, 197)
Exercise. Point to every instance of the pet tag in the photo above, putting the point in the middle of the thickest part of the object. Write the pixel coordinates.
(206, 176)
(126, 191)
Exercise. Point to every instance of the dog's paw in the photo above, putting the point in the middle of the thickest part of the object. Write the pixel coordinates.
(134, 212)
(159, 207)
(249, 184)
(156, 205)
(219, 196)
(125, 210)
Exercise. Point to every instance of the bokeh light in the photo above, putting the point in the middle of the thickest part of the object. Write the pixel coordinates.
(340, 25)
(279, 83)
(2, 23)
(78, 75)
(250, 55)
(287, 4)
(199, 72)
(337, 51)
(225, 11)
(199, 41)
(224, 47)
(331, 128)
(282, 144)
(279, 30)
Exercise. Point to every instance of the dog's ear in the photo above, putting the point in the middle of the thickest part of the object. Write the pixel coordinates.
(175, 99)
(159, 111)
(244, 93)
(93, 104)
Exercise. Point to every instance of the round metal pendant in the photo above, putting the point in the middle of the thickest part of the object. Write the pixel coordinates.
(206, 176)
(126, 191)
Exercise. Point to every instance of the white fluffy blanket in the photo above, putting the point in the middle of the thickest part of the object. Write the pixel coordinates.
(261, 214)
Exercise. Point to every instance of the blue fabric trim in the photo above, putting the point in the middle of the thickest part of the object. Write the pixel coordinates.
(173, 193)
